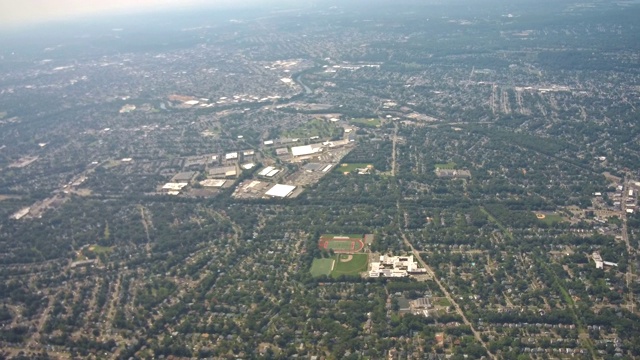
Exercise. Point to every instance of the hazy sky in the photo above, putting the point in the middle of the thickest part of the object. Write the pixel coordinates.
(16, 12)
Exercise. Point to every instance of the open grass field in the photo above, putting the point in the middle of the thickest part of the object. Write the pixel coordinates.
(447, 166)
(347, 168)
(550, 219)
(321, 267)
(342, 243)
(442, 302)
(97, 249)
(350, 264)
(315, 127)
(370, 122)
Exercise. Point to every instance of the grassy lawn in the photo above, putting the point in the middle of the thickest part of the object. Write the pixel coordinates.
(442, 302)
(350, 167)
(315, 127)
(350, 236)
(340, 245)
(551, 219)
(97, 249)
(321, 267)
(371, 122)
(355, 266)
(447, 166)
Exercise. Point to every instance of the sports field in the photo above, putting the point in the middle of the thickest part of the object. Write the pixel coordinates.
(349, 167)
(342, 243)
(366, 122)
(550, 219)
(352, 264)
(321, 267)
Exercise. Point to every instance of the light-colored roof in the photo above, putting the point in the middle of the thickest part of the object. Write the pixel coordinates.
(273, 172)
(280, 190)
(174, 186)
(266, 170)
(212, 182)
(306, 150)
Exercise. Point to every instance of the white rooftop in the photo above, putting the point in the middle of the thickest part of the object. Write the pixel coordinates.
(280, 190)
(266, 170)
(306, 150)
(273, 172)
(174, 186)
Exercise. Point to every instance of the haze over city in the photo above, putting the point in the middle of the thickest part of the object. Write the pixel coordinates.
(14, 13)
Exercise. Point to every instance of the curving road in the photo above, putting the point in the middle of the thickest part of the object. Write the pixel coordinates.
(298, 80)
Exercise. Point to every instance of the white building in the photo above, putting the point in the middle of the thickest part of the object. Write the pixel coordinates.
(174, 186)
(600, 264)
(280, 190)
(306, 150)
(394, 266)
(598, 260)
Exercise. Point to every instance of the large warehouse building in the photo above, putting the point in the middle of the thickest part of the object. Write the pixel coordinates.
(306, 150)
(280, 190)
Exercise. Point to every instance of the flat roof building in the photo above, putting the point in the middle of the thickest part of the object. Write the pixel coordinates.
(185, 176)
(266, 170)
(213, 182)
(306, 150)
(174, 186)
(280, 190)
(223, 171)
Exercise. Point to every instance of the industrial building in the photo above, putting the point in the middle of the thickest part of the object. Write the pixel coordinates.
(231, 156)
(185, 176)
(306, 150)
(269, 171)
(216, 183)
(174, 188)
(223, 172)
(280, 190)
